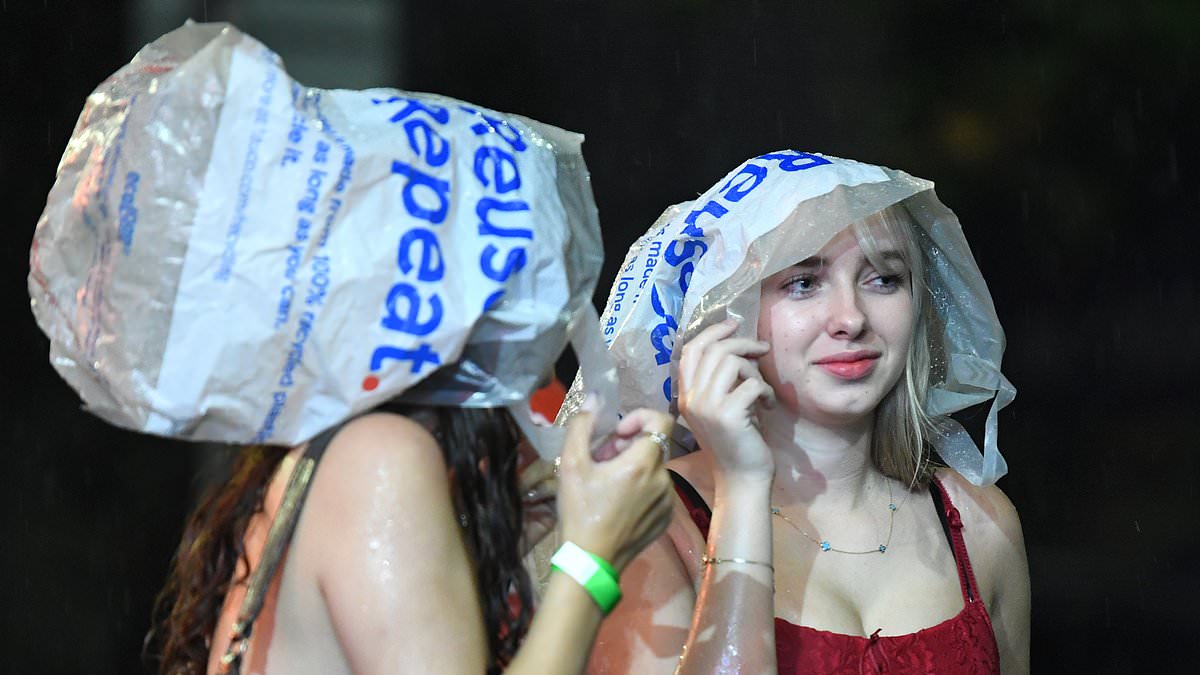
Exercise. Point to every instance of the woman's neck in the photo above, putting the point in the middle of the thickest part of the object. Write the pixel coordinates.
(820, 465)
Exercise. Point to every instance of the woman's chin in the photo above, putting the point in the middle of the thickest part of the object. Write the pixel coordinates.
(839, 413)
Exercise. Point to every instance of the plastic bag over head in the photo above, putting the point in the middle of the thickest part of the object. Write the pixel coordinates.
(703, 261)
(229, 256)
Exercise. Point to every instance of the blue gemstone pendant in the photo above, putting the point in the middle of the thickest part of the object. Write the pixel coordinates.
(825, 546)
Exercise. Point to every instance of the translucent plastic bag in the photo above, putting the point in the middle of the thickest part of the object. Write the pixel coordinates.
(702, 261)
(227, 255)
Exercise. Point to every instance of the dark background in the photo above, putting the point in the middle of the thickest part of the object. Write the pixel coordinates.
(1063, 133)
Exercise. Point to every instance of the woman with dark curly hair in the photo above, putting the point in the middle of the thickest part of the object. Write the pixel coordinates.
(407, 554)
(359, 286)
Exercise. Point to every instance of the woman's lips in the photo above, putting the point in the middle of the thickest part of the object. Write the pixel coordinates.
(849, 366)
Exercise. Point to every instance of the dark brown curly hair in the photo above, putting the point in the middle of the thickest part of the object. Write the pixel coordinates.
(480, 449)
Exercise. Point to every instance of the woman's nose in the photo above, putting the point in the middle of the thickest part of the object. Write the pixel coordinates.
(846, 319)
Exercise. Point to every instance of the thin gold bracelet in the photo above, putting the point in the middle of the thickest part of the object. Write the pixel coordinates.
(741, 561)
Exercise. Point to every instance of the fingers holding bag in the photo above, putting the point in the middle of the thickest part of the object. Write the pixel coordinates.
(615, 507)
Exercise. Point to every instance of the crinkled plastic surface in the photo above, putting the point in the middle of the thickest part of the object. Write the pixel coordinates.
(702, 261)
(227, 255)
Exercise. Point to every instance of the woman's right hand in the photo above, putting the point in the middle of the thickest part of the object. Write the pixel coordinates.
(614, 508)
(719, 384)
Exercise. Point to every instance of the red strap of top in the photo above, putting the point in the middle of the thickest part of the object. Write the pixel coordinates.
(697, 509)
(966, 577)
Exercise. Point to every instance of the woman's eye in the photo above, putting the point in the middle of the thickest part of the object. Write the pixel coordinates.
(887, 281)
(800, 285)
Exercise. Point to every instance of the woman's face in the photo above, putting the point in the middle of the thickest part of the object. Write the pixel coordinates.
(839, 329)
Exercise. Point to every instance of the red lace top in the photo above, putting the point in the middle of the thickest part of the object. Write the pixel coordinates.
(963, 643)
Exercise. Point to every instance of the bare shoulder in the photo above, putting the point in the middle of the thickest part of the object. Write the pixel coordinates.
(996, 546)
(382, 446)
(377, 466)
(987, 513)
(381, 538)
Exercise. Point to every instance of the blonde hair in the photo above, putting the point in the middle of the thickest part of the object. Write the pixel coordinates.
(901, 442)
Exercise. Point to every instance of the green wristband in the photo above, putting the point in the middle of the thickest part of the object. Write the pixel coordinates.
(592, 572)
(604, 565)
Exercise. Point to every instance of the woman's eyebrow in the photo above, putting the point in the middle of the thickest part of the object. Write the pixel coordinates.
(891, 256)
(817, 262)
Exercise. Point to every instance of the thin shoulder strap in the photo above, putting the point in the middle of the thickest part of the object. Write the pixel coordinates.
(953, 526)
(280, 535)
(696, 506)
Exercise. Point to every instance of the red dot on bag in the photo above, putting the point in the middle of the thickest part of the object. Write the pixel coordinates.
(370, 382)
(547, 400)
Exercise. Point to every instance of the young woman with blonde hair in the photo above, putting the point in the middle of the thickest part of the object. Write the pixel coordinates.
(830, 321)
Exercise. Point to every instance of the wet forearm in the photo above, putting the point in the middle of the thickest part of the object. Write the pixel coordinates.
(733, 627)
(561, 634)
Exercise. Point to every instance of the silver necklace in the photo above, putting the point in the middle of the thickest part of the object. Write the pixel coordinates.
(826, 546)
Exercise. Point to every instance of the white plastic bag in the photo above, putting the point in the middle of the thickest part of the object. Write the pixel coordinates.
(227, 255)
(702, 261)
